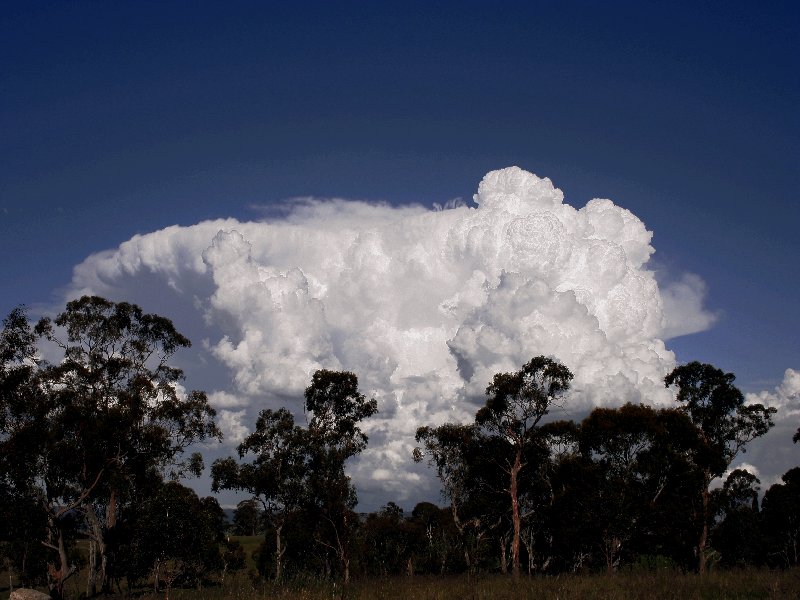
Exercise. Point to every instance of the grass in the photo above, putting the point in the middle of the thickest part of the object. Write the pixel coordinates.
(734, 585)
(631, 585)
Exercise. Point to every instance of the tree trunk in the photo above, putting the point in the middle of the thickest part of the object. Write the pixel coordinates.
(701, 544)
(527, 541)
(278, 552)
(515, 514)
(59, 575)
(97, 554)
(91, 567)
(106, 554)
(503, 560)
(156, 573)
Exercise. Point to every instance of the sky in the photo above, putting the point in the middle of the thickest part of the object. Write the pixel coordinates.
(269, 176)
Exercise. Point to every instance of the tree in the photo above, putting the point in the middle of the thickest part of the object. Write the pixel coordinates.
(275, 478)
(302, 469)
(780, 511)
(613, 439)
(177, 537)
(22, 524)
(248, 518)
(334, 436)
(725, 424)
(98, 423)
(464, 466)
(636, 460)
(515, 405)
(388, 542)
(737, 536)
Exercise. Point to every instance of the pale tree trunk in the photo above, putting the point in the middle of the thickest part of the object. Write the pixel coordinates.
(528, 542)
(703, 541)
(97, 554)
(611, 544)
(156, 575)
(513, 491)
(344, 549)
(279, 551)
(106, 565)
(58, 575)
(98, 567)
(91, 567)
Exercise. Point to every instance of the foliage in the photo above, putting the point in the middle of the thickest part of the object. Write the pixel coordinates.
(298, 473)
(175, 528)
(82, 435)
(780, 512)
(725, 424)
(87, 442)
(248, 518)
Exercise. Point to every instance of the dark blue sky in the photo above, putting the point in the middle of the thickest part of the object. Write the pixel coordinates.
(125, 117)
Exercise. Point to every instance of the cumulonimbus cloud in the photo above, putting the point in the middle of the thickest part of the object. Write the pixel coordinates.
(425, 306)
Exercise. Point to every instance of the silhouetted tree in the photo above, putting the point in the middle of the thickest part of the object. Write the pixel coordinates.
(301, 470)
(516, 403)
(276, 478)
(388, 541)
(465, 465)
(725, 425)
(94, 425)
(780, 512)
(334, 436)
(177, 537)
(737, 535)
(248, 518)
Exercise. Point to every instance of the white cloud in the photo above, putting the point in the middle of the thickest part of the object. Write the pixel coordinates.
(683, 307)
(423, 305)
(231, 424)
(785, 397)
(220, 399)
(718, 482)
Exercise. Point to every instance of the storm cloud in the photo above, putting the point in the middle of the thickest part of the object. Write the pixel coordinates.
(423, 305)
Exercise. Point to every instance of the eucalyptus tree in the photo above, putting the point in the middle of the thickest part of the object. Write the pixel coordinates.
(638, 455)
(248, 518)
(515, 405)
(176, 536)
(101, 420)
(463, 460)
(276, 477)
(334, 435)
(780, 513)
(22, 524)
(725, 424)
(296, 468)
(737, 534)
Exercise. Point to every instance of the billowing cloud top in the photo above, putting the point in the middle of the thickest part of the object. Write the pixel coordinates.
(424, 306)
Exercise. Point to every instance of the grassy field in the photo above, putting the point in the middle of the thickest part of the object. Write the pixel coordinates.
(645, 585)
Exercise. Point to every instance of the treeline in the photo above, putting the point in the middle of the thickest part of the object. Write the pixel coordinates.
(92, 449)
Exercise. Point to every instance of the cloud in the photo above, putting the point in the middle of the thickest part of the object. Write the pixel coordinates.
(226, 400)
(785, 397)
(683, 307)
(718, 482)
(423, 305)
(231, 424)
